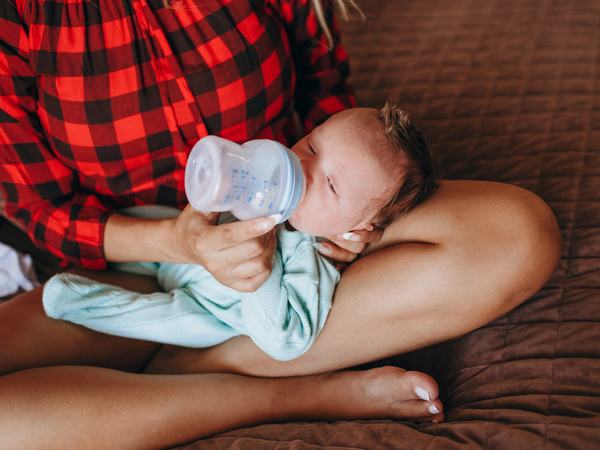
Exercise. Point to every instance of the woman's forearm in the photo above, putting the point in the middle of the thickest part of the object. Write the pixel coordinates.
(135, 239)
(237, 254)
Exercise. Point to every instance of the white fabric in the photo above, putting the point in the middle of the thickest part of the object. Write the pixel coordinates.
(16, 271)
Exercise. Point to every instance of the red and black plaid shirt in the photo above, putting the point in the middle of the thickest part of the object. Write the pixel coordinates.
(101, 101)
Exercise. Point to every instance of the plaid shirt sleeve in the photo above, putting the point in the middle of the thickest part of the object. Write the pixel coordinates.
(321, 86)
(38, 192)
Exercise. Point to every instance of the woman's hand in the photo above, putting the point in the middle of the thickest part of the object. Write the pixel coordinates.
(239, 254)
(345, 248)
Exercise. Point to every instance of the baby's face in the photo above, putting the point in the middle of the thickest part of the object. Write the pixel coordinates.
(345, 181)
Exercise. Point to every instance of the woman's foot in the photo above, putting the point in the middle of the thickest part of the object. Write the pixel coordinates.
(382, 393)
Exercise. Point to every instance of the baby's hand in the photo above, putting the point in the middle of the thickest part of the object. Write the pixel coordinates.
(345, 248)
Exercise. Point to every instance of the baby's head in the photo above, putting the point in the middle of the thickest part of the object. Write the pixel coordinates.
(362, 167)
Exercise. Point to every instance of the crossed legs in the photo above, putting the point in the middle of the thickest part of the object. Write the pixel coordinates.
(85, 405)
(471, 253)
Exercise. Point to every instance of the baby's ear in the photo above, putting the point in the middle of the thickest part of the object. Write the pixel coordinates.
(365, 225)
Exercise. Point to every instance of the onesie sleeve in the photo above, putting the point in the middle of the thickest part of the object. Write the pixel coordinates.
(285, 315)
(322, 88)
(38, 192)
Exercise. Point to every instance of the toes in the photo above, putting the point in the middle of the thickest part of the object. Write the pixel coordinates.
(426, 409)
(404, 394)
(437, 418)
(423, 386)
(409, 384)
(419, 410)
(434, 407)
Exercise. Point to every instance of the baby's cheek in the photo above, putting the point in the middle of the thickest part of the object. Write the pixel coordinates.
(304, 215)
(306, 219)
(297, 218)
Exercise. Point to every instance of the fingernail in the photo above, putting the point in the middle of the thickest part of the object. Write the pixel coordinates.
(433, 409)
(276, 217)
(434, 421)
(268, 222)
(322, 248)
(351, 236)
(422, 393)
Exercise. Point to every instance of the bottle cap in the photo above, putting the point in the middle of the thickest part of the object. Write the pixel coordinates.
(202, 174)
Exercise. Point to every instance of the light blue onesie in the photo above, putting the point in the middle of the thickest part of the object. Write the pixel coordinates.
(283, 317)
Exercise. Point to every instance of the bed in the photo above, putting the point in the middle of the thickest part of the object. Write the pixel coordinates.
(505, 90)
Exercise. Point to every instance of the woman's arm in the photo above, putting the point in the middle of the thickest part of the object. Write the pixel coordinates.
(43, 195)
(121, 231)
(39, 193)
(237, 254)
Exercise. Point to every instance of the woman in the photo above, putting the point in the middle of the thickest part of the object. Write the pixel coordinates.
(101, 103)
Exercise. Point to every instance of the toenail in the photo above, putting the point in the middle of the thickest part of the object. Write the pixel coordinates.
(422, 393)
(433, 409)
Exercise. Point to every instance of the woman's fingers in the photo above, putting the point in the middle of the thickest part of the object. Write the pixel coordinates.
(364, 236)
(232, 234)
(334, 252)
(251, 274)
(345, 248)
(251, 268)
(351, 246)
(250, 284)
(246, 266)
(251, 264)
(224, 249)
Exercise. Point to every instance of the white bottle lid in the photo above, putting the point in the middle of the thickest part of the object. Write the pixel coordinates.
(203, 172)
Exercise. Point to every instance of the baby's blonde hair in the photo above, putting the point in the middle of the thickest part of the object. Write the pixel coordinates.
(418, 181)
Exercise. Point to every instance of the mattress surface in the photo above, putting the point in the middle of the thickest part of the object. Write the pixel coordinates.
(505, 90)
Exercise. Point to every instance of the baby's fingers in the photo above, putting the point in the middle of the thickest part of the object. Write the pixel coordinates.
(345, 248)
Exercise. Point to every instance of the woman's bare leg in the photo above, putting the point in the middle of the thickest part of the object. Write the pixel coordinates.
(28, 338)
(472, 252)
(85, 407)
(90, 407)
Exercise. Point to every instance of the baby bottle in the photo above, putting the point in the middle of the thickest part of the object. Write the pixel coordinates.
(255, 179)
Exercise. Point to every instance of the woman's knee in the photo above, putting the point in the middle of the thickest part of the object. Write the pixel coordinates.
(515, 223)
(498, 231)
(538, 246)
(515, 235)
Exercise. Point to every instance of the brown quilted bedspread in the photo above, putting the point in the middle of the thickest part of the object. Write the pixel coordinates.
(505, 90)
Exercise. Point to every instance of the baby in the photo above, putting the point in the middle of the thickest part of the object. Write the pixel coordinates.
(363, 168)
